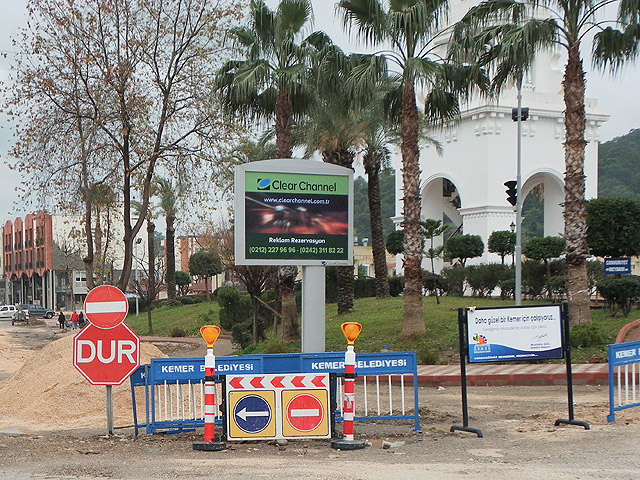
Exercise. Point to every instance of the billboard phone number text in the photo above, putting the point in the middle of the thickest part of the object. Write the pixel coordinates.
(299, 250)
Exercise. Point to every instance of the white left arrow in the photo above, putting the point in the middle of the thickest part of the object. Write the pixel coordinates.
(243, 414)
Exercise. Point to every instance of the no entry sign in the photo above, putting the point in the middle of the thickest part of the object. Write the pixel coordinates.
(106, 306)
(305, 412)
(106, 356)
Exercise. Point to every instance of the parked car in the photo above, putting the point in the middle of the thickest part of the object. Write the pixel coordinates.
(36, 310)
(7, 311)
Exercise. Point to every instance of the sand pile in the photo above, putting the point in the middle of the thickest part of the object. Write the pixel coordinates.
(48, 393)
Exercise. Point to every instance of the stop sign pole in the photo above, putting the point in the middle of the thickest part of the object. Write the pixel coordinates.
(107, 351)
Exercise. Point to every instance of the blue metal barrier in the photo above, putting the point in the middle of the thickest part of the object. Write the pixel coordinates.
(621, 356)
(188, 373)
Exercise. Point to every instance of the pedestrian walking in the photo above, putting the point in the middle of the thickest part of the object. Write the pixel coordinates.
(74, 321)
(61, 320)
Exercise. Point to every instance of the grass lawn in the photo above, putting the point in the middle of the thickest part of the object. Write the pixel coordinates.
(382, 325)
(183, 320)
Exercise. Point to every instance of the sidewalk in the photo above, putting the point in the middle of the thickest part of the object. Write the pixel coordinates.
(514, 374)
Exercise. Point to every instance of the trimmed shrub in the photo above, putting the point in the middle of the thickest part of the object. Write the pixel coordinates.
(483, 279)
(231, 311)
(396, 285)
(587, 335)
(432, 281)
(364, 287)
(454, 278)
(178, 332)
(533, 278)
(620, 293)
(187, 300)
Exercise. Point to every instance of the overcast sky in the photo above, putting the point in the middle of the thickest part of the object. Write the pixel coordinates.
(617, 96)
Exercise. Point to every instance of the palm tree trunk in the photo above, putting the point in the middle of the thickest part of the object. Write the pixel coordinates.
(171, 261)
(289, 310)
(344, 158)
(372, 169)
(345, 289)
(575, 225)
(413, 324)
(283, 125)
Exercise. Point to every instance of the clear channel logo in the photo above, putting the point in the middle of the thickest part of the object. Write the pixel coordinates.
(264, 184)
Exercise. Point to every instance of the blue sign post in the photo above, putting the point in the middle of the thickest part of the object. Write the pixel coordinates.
(252, 414)
(617, 266)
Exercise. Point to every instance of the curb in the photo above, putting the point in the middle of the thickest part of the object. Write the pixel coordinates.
(514, 375)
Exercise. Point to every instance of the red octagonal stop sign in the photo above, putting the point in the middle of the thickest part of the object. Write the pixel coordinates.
(106, 356)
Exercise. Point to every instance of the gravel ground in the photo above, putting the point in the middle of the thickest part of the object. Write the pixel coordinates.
(520, 440)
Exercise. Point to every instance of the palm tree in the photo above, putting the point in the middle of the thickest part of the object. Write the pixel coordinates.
(167, 193)
(271, 81)
(335, 128)
(414, 30)
(375, 156)
(509, 32)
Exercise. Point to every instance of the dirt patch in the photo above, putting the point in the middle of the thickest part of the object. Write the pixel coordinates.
(48, 393)
(62, 423)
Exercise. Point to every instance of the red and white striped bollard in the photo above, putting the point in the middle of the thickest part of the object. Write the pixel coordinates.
(210, 334)
(351, 331)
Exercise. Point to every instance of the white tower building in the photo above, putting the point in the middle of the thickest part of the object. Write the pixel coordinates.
(465, 185)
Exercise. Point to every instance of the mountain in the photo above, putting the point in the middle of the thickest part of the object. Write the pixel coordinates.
(618, 162)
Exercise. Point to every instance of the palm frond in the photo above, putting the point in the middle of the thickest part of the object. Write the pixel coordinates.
(611, 47)
(367, 17)
(294, 14)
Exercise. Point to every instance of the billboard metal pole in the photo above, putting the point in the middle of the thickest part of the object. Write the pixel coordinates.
(313, 308)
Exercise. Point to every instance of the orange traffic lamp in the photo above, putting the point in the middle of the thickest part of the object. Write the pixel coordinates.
(210, 334)
(351, 331)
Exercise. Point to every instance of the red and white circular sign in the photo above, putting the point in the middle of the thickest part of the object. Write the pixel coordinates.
(305, 412)
(106, 307)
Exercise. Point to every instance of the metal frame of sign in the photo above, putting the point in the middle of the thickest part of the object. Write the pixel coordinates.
(275, 391)
(280, 239)
(508, 334)
(521, 313)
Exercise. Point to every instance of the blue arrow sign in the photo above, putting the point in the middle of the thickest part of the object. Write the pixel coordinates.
(252, 414)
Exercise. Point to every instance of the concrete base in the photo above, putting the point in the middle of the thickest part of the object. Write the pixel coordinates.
(342, 444)
(209, 446)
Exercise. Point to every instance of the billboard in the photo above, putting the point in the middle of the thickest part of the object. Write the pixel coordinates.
(518, 333)
(293, 212)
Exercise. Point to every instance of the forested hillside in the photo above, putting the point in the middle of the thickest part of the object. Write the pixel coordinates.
(618, 166)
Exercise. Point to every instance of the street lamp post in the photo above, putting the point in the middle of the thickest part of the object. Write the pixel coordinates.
(512, 227)
(518, 205)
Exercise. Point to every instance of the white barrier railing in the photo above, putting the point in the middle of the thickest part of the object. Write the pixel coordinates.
(624, 366)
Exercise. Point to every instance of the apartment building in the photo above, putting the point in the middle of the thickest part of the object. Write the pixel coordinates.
(42, 258)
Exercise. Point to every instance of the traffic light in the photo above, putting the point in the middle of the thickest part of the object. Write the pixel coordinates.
(512, 191)
(524, 112)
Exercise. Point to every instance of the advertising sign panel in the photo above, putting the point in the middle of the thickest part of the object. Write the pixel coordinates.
(293, 212)
(519, 333)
